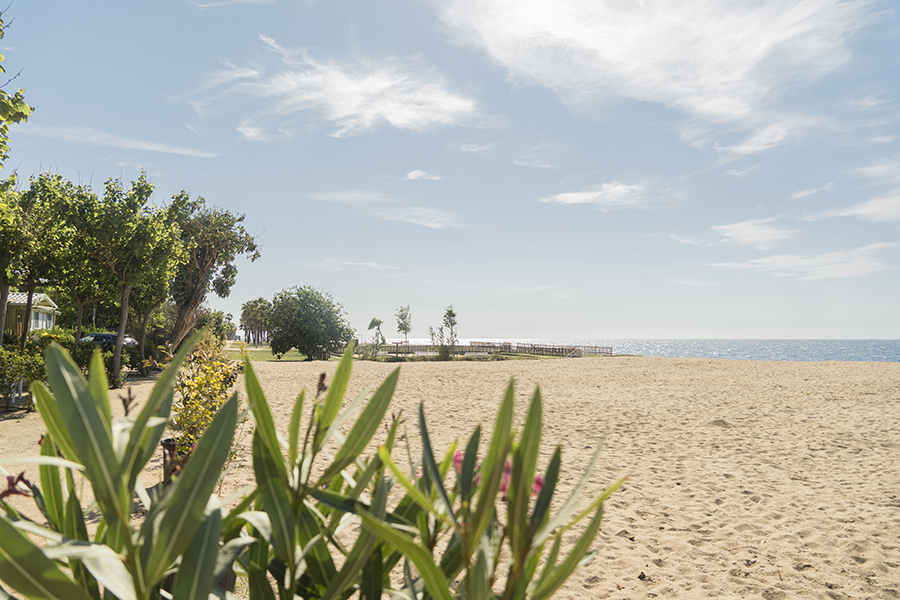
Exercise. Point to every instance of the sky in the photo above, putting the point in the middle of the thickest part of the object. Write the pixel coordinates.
(553, 169)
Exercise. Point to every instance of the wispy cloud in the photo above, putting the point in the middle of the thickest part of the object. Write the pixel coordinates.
(85, 135)
(753, 232)
(389, 209)
(420, 174)
(742, 172)
(616, 195)
(474, 147)
(804, 193)
(339, 264)
(722, 63)
(833, 265)
(356, 96)
(882, 207)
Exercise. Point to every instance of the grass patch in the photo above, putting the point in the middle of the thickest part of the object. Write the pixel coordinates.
(265, 355)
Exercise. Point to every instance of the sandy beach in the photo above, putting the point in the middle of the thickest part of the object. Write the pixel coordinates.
(746, 479)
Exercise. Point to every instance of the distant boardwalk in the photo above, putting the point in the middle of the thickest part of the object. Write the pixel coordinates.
(486, 348)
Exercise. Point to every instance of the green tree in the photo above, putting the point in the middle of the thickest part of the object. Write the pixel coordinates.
(12, 108)
(127, 239)
(404, 322)
(254, 321)
(309, 320)
(47, 237)
(376, 324)
(12, 239)
(213, 239)
(444, 338)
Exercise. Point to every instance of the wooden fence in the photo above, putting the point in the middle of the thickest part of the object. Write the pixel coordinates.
(485, 348)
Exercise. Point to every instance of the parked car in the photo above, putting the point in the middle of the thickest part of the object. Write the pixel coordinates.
(107, 341)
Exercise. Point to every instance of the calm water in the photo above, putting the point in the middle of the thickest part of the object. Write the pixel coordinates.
(803, 350)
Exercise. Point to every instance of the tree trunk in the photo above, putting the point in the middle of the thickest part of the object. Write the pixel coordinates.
(187, 318)
(120, 340)
(4, 298)
(143, 337)
(81, 303)
(26, 326)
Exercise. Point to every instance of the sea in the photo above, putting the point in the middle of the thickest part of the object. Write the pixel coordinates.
(798, 350)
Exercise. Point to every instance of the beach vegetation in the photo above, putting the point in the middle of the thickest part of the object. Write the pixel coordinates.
(327, 518)
(213, 239)
(404, 321)
(444, 339)
(309, 320)
(255, 315)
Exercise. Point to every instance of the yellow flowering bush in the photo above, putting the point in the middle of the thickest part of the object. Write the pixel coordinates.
(201, 389)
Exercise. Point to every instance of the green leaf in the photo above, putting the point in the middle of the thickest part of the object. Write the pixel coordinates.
(144, 438)
(49, 411)
(444, 506)
(414, 493)
(477, 583)
(365, 427)
(86, 422)
(184, 505)
(333, 400)
(99, 386)
(262, 414)
(294, 432)
(361, 551)
(467, 473)
(493, 466)
(194, 579)
(372, 585)
(434, 580)
(275, 498)
(74, 528)
(51, 483)
(25, 568)
(522, 479)
(552, 582)
(546, 494)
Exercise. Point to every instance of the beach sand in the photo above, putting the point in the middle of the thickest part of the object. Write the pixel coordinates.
(746, 479)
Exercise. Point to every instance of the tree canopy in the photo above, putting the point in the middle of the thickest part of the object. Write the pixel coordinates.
(13, 108)
(213, 238)
(404, 321)
(310, 321)
(255, 316)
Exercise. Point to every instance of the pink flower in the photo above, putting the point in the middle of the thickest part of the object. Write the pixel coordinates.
(537, 485)
(11, 483)
(457, 460)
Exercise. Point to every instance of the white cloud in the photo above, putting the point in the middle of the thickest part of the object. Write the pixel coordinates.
(833, 265)
(419, 215)
(354, 197)
(804, 193)
(85, 135)
(742, 172)
(876, 210)
(420, 174)
(883, 207)
(388, 209)
(720, 62)
(474, 148)
(338, 264)
(753, 232)
(356, 96)
(615, 195)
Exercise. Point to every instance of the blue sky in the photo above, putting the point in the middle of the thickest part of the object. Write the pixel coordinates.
(558, 169)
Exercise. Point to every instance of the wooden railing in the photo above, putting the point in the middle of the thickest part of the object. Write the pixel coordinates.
(484, 348)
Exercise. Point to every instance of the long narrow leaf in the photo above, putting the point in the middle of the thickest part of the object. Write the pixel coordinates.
(559, 574)
(186, 503)
(51, 485)
(99, 387)
(25, 568)
(49, 411)
(262, 414)
(414, 493)
(365, 427)
(334, 398)
(542, 505)
(434, 473)
(434, 580)
(194, 579)
(520, 484)
(275, 499)
(493, 468)
(294, 431)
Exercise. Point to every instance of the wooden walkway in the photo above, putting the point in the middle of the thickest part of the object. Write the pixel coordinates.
(487, 348)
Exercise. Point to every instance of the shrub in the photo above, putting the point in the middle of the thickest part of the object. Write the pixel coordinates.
(481, 534)
(202, 387)
(15, 366)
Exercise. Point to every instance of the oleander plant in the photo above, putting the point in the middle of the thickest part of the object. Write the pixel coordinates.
(329, 517)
